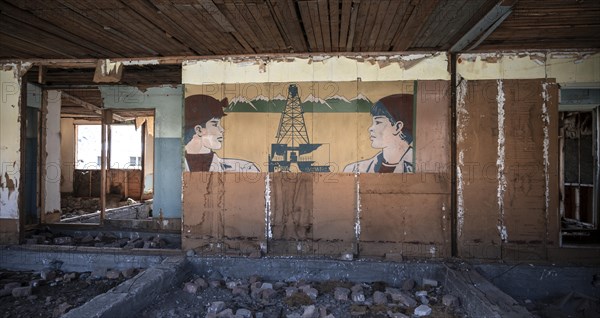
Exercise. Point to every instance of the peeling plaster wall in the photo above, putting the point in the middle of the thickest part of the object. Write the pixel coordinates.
(52, 174)
(565, 67)
(10, 145)
(167, 101)
(318, 68)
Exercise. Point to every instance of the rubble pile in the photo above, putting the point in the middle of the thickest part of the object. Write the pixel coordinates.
(52, 292)
(218, 297)
(100, 239)
(74, 206)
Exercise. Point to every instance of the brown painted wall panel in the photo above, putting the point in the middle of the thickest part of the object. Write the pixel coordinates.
(334, 202)
(223, 208)
(530, 226)
(244, 214)
(433, 127)
(292, 206)
(478, 235)
(203, 206)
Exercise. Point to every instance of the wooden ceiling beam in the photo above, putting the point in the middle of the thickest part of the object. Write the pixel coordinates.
(88, 106)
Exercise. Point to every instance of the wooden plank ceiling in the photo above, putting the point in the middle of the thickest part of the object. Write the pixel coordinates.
(69, 29)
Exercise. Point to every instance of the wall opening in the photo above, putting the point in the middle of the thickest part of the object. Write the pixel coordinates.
(579, 182)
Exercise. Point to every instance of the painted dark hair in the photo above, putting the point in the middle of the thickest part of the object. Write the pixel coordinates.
(199, 109)
(398, 107)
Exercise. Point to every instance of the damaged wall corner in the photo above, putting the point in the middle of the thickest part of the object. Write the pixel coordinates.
(10, 148)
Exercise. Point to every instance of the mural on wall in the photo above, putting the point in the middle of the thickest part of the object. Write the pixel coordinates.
(204, 135)
(390, 131)
(301, 127)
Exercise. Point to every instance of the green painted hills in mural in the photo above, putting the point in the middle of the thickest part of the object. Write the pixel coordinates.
(310, 104)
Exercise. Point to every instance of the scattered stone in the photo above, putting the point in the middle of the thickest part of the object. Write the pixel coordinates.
(379, 298)
(244, 313)
(227, 313)
(267, 294)
(128, 272)
(191, 288)
(239, 291)
(32, 297)
(341, 293)
(113, 274)
(61, 309)
(289, 291)
(232, 284)
(424, 300)
(347, 257)
(253, 279)
(201, 282)
(266, 286)
(450, 300)
(358, 297)
(21, 291)
(356, 310)
(64, 240)
(430, 282)
(190, 253)
(401, 297)
(48, 274)
(310, 312)
(311, 292)
(99, 273)
(420, 293)
(422, 311)
(216, 307)
(215, 283)
(357, 288)
(87, 239)
(5, 292)
(69, 277)
(408, 284)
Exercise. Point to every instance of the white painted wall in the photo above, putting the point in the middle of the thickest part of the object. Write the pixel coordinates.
(53, 150)
(432, 66)
(575, 67)
(67, 153)
(10, 143)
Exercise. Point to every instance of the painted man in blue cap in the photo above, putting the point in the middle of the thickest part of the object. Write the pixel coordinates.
(204, 135)
(390, 131)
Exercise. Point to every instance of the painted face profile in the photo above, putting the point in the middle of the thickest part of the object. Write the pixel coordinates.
(383, 133)
(211, 135)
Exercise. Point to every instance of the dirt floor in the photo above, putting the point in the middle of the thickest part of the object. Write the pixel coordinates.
(201, 297)
(56, 294)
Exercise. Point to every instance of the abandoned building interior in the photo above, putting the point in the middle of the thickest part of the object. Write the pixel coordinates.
(314, 158)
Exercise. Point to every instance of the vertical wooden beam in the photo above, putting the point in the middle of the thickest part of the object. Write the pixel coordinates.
(42, 163)
(106, 118)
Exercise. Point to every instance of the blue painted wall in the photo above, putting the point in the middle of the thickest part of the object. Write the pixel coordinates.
(167, 101)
